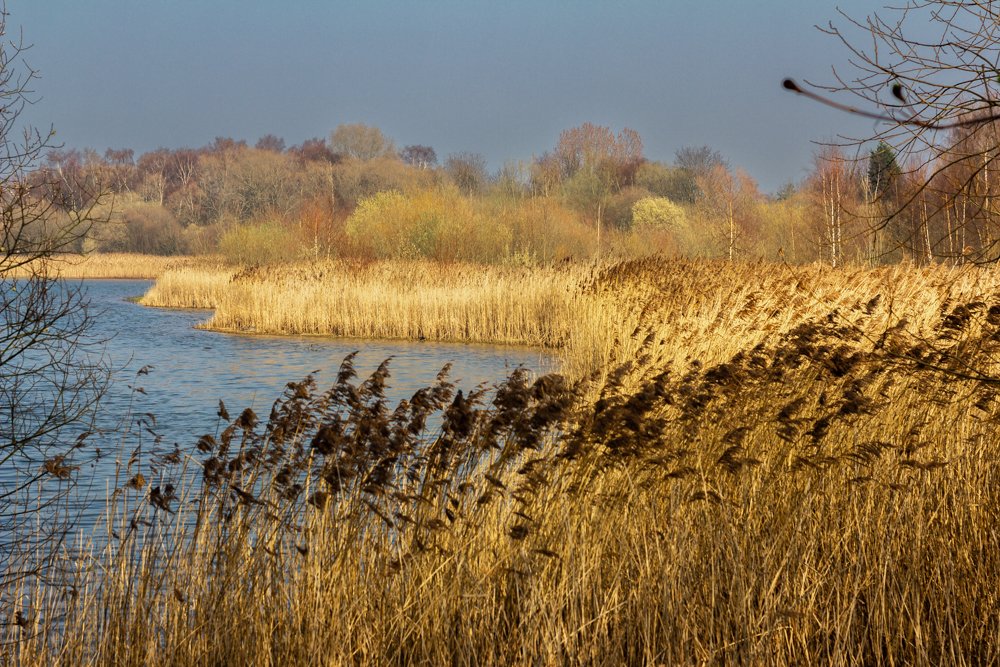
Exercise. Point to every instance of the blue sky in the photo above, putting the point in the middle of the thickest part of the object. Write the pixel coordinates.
(497, 78)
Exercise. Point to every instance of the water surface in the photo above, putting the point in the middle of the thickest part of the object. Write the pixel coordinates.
(191, 370)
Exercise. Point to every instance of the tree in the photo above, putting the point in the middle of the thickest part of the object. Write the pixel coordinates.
(883, 171)
(512, 180)
(70, 179)
(595, 164)
(248, 184)
(121, 168)
(49, 379)
(419, 156)
(223, 145)
(927, 71)
(315, 150)
(163, 172)
(270, 142)
(361, 142)
(832, 186)
(595, 148)
(467, 171)
(694, 163)
(964, 191)
(730, 199)
(545, 175)
(675, 183)
(785, 192)
(355, 180)
(699, 160)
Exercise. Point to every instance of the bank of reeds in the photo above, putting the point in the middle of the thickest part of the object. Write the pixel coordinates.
(114, 266)
(704, 310)
(540, 306)
(825, 492)
(195, 287)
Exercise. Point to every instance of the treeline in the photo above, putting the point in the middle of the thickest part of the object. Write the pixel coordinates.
(356, 194)
(941, 207)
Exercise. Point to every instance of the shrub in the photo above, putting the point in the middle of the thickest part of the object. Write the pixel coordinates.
(263, 243)
(543, 230)
(658, 213)
(436, 223)
(153, 230)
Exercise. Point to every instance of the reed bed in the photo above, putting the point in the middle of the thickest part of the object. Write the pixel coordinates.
(704, 310)
(821, 498)
(194, 287)
(401, 300)
(408, 300)
(113, 266)
(774, 466)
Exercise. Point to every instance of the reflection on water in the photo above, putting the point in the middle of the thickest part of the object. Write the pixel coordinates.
(191, 370)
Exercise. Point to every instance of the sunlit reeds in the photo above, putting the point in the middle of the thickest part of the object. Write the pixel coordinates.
(114, 265)
(195, 287)
(701, 310)
(771, 466)
(403, 300)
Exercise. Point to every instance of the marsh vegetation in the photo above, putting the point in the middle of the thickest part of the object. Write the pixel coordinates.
(765, 463)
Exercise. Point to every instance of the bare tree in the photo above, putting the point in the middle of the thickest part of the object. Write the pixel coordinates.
(832, 189)
(929, 72)
(49, 378)
(729, 199)
(418, 155)
(468, 171)
(595, 164)
(270, 142)
(315, 150)
(361, 142)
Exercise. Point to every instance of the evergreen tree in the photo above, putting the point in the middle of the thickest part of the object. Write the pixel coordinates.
(883, 170)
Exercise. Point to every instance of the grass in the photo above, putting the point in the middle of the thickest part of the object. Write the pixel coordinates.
(115, 265)
(767, 466)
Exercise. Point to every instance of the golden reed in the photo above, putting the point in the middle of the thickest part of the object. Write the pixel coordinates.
(777, 466)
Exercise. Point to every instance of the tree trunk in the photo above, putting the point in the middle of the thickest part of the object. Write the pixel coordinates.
(600, 210)
(732, 230)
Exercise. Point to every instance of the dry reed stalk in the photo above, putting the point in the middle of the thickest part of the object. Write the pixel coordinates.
(699, 518)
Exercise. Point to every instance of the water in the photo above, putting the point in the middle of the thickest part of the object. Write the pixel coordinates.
(192, 369)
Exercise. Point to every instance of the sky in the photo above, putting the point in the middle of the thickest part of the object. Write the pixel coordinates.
(498, 78)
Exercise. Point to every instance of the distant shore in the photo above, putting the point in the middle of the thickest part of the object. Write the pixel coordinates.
(131, 266)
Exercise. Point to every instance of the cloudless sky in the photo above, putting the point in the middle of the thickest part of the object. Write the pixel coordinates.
(497, 78)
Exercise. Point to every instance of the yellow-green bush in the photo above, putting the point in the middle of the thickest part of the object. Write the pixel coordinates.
(437, 223)
(657, 213)
(261, 243)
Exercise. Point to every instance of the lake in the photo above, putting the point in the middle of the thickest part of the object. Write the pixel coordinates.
(191, 370)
